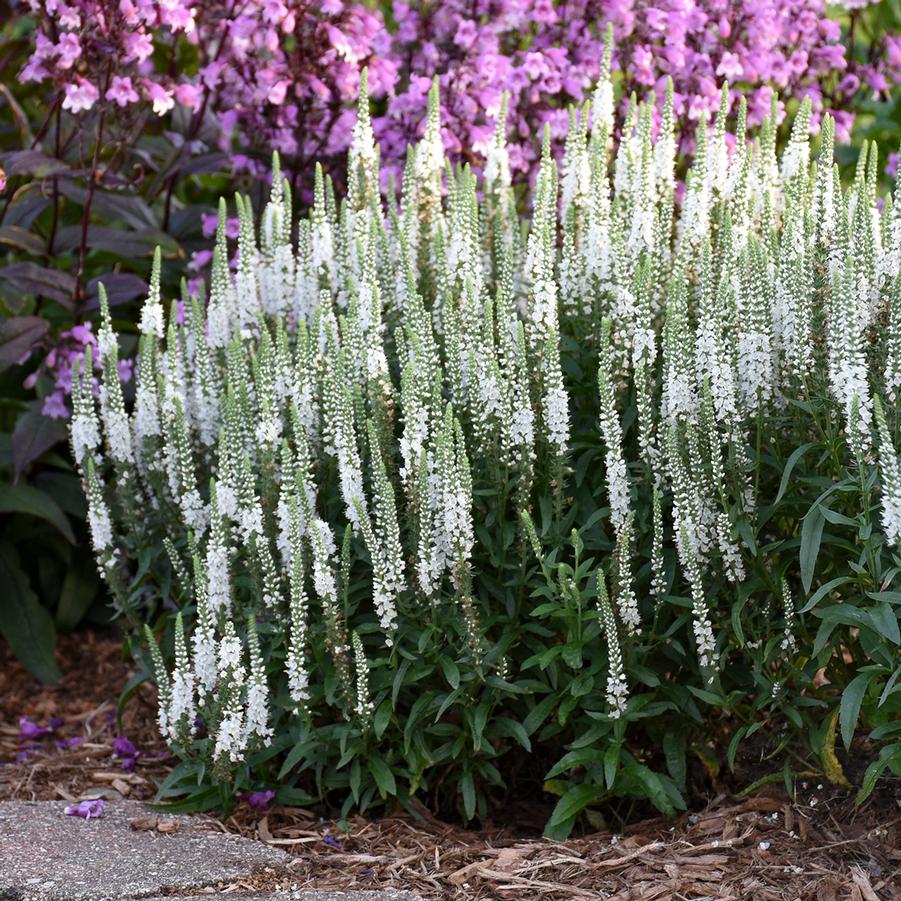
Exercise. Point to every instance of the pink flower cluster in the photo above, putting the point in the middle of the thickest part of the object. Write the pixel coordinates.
(546, 55)
(278, 74)
(284, 74)
(101, 52)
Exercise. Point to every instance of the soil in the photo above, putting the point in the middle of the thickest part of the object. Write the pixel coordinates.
(814, 846)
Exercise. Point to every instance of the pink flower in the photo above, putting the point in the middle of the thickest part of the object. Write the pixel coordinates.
(730, 67)
(138, 46)
(278, 92)
(54, 406)
(893, 50)
(200, 259)
(188, 95)
(160, 97)
(121, 91)
(466, 34)
(68, 50)
(80, 96)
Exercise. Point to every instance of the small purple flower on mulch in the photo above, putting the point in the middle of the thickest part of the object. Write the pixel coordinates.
(124, 749)
(29, 730)
(66, 743)
(86, 809)
(259, 800)
(332, 842)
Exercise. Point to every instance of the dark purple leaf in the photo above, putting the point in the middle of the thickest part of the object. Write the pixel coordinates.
(112, 207)
(32, 162)
(18, 335)
(22, 239)
(34, 279)
(34, 433)
(29, 203)
(121, 288)
(126, 244)
(208, 162)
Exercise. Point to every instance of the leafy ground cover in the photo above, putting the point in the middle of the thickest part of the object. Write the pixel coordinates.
(813, 846)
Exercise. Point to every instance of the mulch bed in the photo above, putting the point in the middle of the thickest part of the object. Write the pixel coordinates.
(77, 760)
(813, 847)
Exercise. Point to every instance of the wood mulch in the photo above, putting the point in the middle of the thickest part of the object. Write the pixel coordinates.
(77, 760)
(813, 847)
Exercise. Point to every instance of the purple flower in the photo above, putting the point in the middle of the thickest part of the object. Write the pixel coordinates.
(29, 730)
(891, 167)
(259, 800)
(124, 747)
(86, 809)
(332, 842)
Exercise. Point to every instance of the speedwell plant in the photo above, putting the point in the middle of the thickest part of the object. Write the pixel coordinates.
(431, 501)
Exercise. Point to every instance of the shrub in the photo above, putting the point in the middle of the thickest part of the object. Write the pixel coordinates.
(429, 500)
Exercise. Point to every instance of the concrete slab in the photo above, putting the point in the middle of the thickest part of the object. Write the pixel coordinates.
(48, 856)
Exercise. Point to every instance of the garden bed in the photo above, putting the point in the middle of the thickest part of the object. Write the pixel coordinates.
(767, 846)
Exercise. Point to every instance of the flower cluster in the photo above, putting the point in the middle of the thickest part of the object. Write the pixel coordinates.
(365, 380)
(274, 74)
(544, 58)
(282, 75)
(97, 52)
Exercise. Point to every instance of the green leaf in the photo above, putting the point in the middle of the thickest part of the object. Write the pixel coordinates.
(33, 502)
(674, 751)
(33, 162)
(824, 590)
(76, 596)
(24, 623)
(291, 796)
(451, 671)
(811, 536)
(468, 789)
(573, 803)
(197, 802)
(611, 763)
(539, 713)
(789, 466)
(849, 711)
(874, 771)
(384, 778)
(382, 718)
(480, 718)
(511, 728)
(294, 757)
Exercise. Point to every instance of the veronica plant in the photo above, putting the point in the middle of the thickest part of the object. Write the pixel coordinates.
(426, 498)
